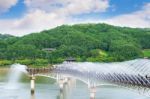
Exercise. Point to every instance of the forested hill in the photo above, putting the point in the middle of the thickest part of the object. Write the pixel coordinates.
(85, 42)
(5, 36)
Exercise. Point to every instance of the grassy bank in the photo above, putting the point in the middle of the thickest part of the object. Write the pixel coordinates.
(36, 63)
(146, 53)
(99, 56)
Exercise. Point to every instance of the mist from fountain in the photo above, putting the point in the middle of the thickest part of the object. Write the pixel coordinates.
(133, 74)
(14, 75)
(138, 66)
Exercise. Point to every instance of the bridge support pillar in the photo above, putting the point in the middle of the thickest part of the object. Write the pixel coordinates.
(61, 84)
(92, 92)
(66, 80)
(32, 83)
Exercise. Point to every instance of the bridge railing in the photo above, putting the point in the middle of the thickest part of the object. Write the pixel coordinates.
(33, 71)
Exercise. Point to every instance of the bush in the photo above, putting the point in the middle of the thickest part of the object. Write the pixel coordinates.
(40, 62)
(5, 62)
(146, 53)
(25, 61)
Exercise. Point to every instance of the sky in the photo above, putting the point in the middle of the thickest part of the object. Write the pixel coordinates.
(22, 17)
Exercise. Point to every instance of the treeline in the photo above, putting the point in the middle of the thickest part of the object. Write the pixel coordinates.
(6, 36)
(84, 42)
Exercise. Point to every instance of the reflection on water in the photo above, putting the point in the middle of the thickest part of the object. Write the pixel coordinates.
(71, 90)
(61, 95)
(33, 96)
(64, 93)
(52, 91)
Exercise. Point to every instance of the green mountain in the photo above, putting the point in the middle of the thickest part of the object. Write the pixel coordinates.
(5, 36)
(85, 42)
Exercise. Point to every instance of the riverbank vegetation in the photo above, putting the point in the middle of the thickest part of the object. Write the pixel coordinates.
(146, 53)
(84, 42)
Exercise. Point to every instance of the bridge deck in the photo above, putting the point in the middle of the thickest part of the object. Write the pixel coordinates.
(119, 79)
(33, 71)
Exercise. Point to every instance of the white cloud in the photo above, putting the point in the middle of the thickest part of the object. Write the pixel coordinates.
(139, 18)
(32, 22)
(45, 14)
(5, 5)
(68, 7)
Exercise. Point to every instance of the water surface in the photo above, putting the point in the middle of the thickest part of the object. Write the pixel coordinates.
(80, 91)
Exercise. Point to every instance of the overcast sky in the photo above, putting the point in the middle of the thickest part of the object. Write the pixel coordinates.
(21, 17)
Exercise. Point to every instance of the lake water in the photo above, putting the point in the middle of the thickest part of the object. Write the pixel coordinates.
(46, 88)
(80, 91)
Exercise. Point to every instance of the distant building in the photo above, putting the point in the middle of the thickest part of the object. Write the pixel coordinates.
(70, 59)
(49, 49)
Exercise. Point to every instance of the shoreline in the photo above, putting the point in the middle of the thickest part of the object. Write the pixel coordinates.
(4, 69)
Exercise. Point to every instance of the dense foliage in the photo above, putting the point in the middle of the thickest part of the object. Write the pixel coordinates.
(146, 53)
(5, 36)
(85, 42)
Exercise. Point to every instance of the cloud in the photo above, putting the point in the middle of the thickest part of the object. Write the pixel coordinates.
(31, 22)
(5, 5)
(45, 14)
(139, 18)
(68, 7)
